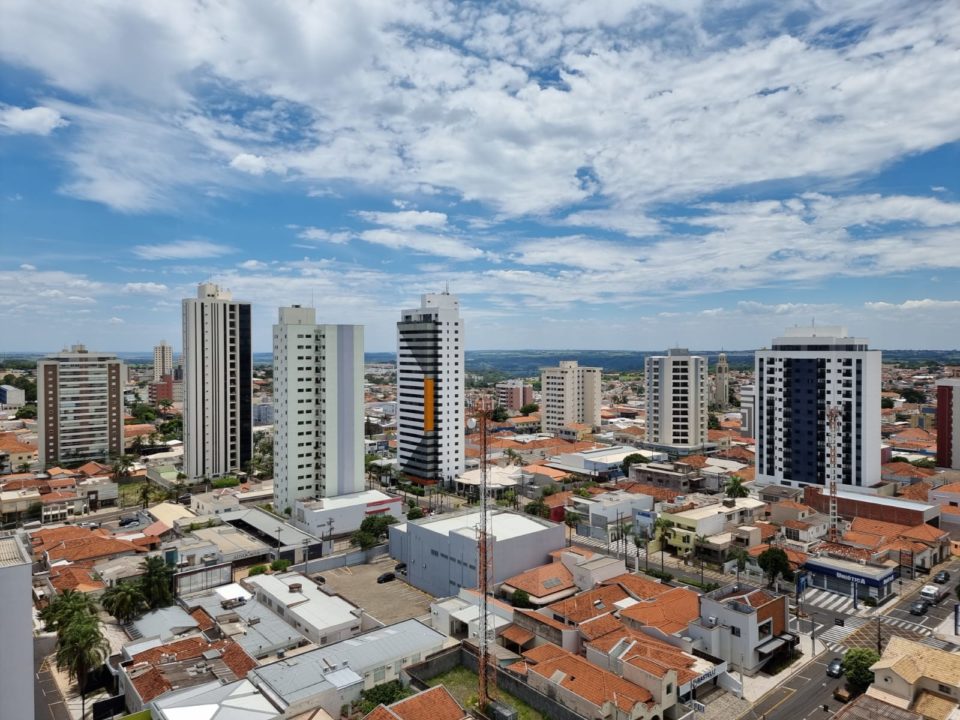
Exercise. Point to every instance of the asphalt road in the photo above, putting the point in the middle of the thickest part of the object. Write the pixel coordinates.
(802, 696)
(47, 701)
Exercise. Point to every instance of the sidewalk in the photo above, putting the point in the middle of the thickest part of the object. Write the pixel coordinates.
(756, 687)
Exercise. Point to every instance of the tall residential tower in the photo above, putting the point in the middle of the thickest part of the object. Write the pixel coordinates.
(217, 385)
(430, 389)
(79, 406)
(807, 376)
(569, 394)
(318, 408)
(677, 399)
(948, 423)
(162, 361)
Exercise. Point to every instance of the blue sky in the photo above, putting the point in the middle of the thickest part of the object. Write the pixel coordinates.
(584, 175)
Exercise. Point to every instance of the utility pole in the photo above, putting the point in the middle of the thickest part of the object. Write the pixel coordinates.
(879, 639)
(306, 557)
(813, 634)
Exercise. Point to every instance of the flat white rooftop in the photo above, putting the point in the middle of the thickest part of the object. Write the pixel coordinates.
(503, 525)
(364, 497)
(313, 606)
(718, 509)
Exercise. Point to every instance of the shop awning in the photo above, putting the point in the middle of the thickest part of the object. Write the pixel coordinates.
(771, 645)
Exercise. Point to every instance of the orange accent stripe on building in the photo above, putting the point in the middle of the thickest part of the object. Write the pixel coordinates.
(428, 384)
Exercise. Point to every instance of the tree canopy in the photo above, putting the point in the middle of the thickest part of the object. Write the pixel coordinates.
(529, 408)
(856, 666)
(735, 487)
(632, 459)
(774, 562)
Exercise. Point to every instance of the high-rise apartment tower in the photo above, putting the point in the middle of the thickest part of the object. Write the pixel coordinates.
(217, 364)
(676, 385)
(513, 394)
(162, 361)
(807, 376)
(721, 382)
(569, 394)
(948, 423)
(430, 389)
(318, 408)
(16, 627)
(79, 406)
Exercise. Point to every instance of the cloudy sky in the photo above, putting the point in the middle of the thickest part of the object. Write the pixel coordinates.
(601, 174)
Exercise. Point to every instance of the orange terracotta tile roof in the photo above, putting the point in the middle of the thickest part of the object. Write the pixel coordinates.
(915, 435)
(797, 525)
(544, 470)
(671, 612)
(593, 684)
(654, 491)
(924, 533)
(46, 538)
(9, 442)
(599, 626)
(949, 510)
(767, 530)
(433, 704)
(542, 653)
(919, 491)
(584, 606)
(878, 527)
(795, 557)
(544, 580)
(867, 540)
(544, 620)
(951, 488)
(638, 586)
(697, 462)
(153, 683)
(380, 712)
(60, 483)
(57, 496)
(204, 621)
(738, 452)
(91, 548)
(516, 634)
(133, 431)
(72, 577)
(93, 468)
(558, 499)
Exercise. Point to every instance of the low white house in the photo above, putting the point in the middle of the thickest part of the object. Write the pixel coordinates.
(342, 514)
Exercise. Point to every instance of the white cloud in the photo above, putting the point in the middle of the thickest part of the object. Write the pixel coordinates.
(30, 121)
(254, 164)
(253, 265)
(28, 267)
(146, 288)
(182, 250)
(925, 305)
(321, 235)
(115, 321)
(406, 219)
(430, 244)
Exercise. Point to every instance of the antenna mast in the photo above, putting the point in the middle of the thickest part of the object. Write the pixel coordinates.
(834, 416)
(484, 563)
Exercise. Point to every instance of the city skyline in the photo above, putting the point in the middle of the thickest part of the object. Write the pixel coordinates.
(750, 169)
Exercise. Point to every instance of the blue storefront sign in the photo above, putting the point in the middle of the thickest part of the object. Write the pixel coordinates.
(851, 576)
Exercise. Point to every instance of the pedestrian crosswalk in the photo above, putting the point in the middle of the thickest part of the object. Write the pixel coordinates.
(835, 637)
(828, 600)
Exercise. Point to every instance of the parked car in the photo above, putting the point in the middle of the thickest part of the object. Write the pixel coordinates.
(942, 577)
(835, 668)
(401, 567)
(128, 521)
(386, 577)
(919, 607)
(319, 579)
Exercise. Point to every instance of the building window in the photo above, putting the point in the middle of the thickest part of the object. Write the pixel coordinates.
(735, 631)
(943, 688)
(380, 674)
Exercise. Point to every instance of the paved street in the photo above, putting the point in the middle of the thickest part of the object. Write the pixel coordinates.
(802, 696)
(47, 701)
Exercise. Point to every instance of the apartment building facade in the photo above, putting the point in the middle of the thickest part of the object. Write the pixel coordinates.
(677, 391)
(569, 394)
(318, 407)
(162, 361)
(79, 406)
(808, 376)
(217, 384)
(948, 423)
(430, 390)
(513, 394)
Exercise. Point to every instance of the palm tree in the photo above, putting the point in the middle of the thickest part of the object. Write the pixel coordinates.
(661, 527)
(121, 466)
(82, 648)
(65, 608)
(698, 543)
(144, 494)
(157, 582)
(125, 601)
(735, 487)
(570, 519)
(740, 555)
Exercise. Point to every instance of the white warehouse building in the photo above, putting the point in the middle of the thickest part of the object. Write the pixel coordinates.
(441, 553)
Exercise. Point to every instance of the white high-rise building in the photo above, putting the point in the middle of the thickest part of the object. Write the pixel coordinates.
(808, 375)
(16, 628)
(430, 389)
(79, 406)
(217, 382)
(569, 394)
(721, 382)
(162, 361)
(677, 389)
(318, 408)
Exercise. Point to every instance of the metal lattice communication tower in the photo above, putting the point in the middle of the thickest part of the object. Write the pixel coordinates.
(484, 562)
(834, 417)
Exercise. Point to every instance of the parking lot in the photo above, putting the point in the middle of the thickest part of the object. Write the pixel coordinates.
(388, 602)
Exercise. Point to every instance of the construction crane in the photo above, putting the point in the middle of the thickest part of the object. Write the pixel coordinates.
(834, 418)
(484, 560)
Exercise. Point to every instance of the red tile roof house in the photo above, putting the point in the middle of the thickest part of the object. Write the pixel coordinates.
(181, 664)
(584, 688)
(433, 704)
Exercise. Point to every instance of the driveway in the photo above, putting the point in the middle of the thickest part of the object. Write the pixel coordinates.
(389, 602)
